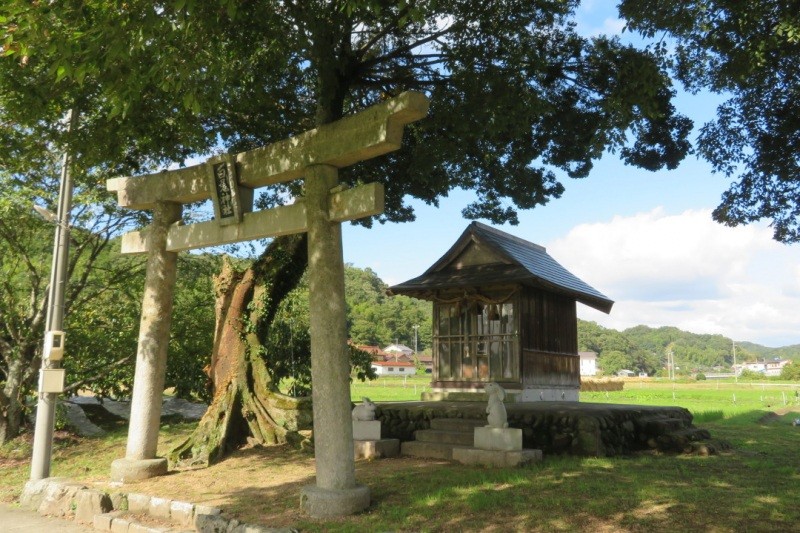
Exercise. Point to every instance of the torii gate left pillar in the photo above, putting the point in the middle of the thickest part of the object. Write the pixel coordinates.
(315, 155)
(140, 460)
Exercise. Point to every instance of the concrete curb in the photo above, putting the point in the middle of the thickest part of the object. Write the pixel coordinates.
(116, 513)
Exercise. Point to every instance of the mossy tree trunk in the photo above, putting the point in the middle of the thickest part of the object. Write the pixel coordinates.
(246, 405)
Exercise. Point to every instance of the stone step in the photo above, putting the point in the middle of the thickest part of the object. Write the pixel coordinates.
(462, 438)
(428, 450)
(457, 424)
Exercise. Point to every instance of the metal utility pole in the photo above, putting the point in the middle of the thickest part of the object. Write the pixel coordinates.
(46, 407)
(416, 327)
(671, 363)
(735, 374)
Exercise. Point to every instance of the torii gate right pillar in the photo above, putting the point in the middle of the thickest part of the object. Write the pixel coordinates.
(336, 492)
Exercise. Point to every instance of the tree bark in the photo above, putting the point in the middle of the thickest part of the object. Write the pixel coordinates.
(246, 405)
(10, 403)
(19, 372)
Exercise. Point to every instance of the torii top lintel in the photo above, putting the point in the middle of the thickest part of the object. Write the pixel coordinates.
(370, 133)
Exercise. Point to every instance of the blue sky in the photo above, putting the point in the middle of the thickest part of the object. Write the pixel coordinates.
(644, 239)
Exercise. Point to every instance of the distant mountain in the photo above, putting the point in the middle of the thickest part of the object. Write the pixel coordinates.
(765, 352)
(644, 349)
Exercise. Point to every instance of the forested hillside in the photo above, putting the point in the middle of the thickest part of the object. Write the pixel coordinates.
(644, 349)
(785, 352)
(376, 319)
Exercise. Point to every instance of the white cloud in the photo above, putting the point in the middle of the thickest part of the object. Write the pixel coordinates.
(613, 26)
(599, 18)
(690, 272)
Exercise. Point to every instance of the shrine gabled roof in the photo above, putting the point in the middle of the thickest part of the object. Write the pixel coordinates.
(514, 260)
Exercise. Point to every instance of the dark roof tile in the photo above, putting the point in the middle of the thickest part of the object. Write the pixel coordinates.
(529, 262)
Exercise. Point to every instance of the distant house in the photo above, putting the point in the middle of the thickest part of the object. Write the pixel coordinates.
(375, 351)
(768, 368)
(625, 373)
(393, 368)
(588, 363)
(775, 367)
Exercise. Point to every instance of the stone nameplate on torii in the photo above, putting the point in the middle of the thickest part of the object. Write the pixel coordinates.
(229, 181)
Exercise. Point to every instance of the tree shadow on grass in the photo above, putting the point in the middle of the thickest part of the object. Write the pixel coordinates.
(754, 486)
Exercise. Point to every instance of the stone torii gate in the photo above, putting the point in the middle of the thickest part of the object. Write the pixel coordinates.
(229, 181)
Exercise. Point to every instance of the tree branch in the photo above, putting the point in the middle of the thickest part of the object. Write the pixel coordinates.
(381, 34)
(20, 249)
(407, 48)
(103, 371)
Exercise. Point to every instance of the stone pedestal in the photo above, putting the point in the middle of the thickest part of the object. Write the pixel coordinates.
(367, 442)
(127, 470)
(501, 439)
(497, 447)
(330, 503)
(366, 430)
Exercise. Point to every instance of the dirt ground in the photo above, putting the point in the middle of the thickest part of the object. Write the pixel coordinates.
(261, 485)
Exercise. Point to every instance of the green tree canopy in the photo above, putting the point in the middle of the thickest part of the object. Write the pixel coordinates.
(612, 361)
(616, 350)
(25, 259)
(791, 372)
(516, 93)
(102, 301)
(749, 52)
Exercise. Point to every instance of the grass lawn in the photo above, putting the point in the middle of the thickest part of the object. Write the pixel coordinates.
(391, 389)
(705, 399)
(754, 487)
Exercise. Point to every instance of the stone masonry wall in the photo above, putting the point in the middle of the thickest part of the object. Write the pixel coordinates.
(554, 427)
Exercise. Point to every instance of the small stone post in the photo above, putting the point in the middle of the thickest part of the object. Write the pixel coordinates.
(336, 492)
(140, 460)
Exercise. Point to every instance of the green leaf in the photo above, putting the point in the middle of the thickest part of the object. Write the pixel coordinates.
(60, 73)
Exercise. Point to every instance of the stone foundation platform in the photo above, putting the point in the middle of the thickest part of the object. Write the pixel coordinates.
(586, 429)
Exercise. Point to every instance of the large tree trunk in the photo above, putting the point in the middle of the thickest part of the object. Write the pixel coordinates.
(10, 404)
(17, 380)
(246, 404)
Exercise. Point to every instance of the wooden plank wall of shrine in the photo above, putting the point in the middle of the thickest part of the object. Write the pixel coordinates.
(549, 339)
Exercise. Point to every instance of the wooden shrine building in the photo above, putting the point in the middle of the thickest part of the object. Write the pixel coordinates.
(504, 311)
